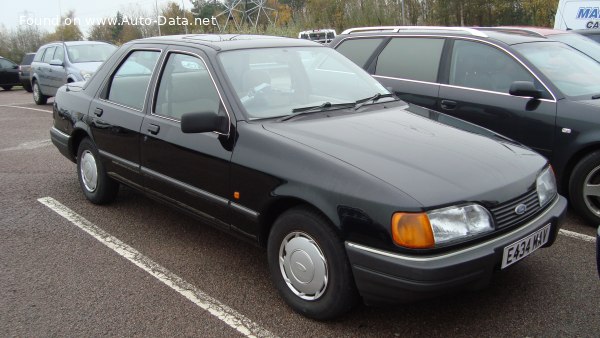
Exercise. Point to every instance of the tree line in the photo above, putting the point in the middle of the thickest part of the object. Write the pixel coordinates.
(283, 17)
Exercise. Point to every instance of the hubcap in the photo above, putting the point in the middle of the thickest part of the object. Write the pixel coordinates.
(591, 191)
(36, 92)
(89, 171)
(303, 266)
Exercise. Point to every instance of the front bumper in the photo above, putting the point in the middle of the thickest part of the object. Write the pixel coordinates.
(387, 277)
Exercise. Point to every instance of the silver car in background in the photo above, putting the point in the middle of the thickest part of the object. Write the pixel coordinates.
(57, 63)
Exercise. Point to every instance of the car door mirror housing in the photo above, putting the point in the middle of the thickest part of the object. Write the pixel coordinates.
(56, 62)
(203, 122)
(524, 88)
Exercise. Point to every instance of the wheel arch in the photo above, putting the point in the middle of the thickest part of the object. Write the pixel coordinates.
(79, 133)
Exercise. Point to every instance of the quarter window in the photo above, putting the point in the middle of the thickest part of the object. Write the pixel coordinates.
(49, 54)
(129, 84)
(185, 87)
(359, 50)
(411, 58)
(476, 65)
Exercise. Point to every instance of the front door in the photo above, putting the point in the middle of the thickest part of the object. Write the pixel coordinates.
(189, 170)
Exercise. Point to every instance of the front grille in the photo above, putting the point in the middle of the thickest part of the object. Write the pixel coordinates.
(505, 215)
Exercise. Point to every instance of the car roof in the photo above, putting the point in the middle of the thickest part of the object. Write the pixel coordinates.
(526, 30)
(509, 37)
(231, 41)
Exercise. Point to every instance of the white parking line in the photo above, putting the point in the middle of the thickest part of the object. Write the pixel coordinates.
(36, 109)
(577, 235)
(223, 312)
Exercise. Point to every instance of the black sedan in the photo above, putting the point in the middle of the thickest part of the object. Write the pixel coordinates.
(290, 145)
(9, 74)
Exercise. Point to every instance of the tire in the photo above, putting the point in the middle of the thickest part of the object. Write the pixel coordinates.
(38, 97)
(583, 197)
(96, 185)
(323, 286)
(7, 87)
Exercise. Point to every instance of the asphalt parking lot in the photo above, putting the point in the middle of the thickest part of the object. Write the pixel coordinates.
(139, 268)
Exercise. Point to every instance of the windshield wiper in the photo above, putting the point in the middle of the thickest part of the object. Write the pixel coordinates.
(315, 109)
(373, 99)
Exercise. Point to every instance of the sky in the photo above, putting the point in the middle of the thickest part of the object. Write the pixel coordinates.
(44, 13)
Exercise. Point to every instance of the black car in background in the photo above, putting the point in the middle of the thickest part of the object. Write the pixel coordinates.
(288, 144)
(539, 92)
(25, 71)
(9, 74)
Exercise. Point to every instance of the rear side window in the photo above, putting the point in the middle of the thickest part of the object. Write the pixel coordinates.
(358, 50)
(129, 83)
(411, 58)
(49, 54)
(39, 55)
(185, 87)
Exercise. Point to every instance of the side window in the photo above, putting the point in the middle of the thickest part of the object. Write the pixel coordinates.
(39, 55)
(129, 83)
(411, 58)
(185, 86)
(4, 64)
(359, 50)
(477, 65)
(59, 54)
(49, 54)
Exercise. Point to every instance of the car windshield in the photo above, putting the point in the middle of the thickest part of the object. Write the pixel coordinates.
(277, 82)
(97, 52)
(568, 69)
(583, 44)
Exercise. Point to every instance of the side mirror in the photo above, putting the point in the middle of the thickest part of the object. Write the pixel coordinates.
(204, 122)
(56, 62)
(524, 88)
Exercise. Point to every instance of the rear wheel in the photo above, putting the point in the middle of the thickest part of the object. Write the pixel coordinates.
(309, 266)
(38, 97)
(96, 185)
(584, 188)
(7, 87)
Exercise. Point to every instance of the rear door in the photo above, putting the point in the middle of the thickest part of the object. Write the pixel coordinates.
(475, 89)
(190, 170)
(117, 112)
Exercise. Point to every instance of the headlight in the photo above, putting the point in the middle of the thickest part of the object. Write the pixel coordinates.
(441, 226)
(546, 186)
(86, 75)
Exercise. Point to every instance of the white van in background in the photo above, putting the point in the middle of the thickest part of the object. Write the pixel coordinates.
(577, 14)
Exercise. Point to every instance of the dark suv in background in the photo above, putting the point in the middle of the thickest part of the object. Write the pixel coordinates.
(58, 63)
(25, 71)
(540, 92)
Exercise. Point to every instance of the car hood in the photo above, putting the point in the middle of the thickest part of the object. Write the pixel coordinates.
(87, 66)
(433, 163)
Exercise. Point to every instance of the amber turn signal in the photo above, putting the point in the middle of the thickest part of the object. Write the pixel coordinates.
(412, 230)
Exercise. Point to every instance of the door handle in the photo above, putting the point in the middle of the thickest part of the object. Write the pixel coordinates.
(98, 112)
(448, 105)
(153, 129)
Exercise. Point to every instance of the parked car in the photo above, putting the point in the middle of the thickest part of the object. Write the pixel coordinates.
(582, 43)
(593, 34)
(598, 251)
(323, 36)
(25, 71)
(58, 63)
(539, 92)
(9, 74)
(288, 144)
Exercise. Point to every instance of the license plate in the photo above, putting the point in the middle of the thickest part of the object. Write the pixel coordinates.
(523, 247)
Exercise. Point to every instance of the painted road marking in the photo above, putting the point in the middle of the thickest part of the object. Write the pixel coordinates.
(36, 109)
(29, 145)
(223, 312)
(577, 235)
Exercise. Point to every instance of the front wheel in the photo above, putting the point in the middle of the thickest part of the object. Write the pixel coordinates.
(38, 97)
(7, 87)
(96, 185)
(309, 266)
(584, 188)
